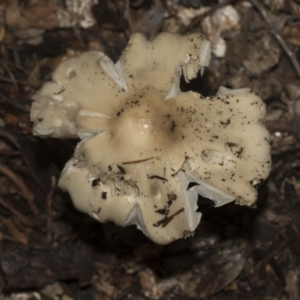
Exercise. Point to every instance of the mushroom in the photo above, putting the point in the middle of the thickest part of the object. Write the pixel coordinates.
(151, 155)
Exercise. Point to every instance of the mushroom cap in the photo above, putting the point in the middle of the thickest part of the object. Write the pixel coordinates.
(150, 155)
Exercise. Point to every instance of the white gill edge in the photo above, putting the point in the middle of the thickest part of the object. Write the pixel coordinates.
(93, 114)
(41, 130)
(120, 67)
(204, 60)
(115, 71)
(190, 199)
(207, 190)
(135, 217)
(84, 134)
(205, 53)
(226, 91)
(174, 90)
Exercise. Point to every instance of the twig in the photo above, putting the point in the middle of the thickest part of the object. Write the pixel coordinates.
(49, 205)
(4, 79)
(281, 126)
(136, 161)
(273, 251)
(12, 140)
(24, 191)
(34, 73)
(278, 37)
(12, 77)
(128, 15)
(120, 15)
(6, 134)
(10, 153)
(8, 238)
(19, 217)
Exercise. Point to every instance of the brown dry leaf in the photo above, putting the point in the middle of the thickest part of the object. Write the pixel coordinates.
(293, 88)
(49, 14)
(149, 284)
(53, 290)
(20, 236)
(150, 21)
(104, 287)
(2, 34)
(263, 54)
(294, 7)
(291, 33)
(41, 15)
(26, 268)
(293, 283)
(214, 272)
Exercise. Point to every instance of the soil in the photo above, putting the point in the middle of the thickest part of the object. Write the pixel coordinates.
(49, 250)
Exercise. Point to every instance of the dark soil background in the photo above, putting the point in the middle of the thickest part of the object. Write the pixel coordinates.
(48, 250)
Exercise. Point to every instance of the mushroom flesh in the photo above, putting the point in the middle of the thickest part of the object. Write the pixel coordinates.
(151, 155)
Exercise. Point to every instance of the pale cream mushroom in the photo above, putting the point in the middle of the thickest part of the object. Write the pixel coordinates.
(149, 150)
